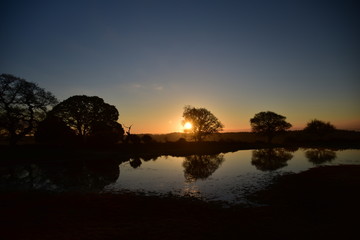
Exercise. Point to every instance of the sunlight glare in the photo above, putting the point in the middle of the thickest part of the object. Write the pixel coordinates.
(187, 125)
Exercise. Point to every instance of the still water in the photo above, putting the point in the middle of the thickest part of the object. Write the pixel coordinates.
(225, 177)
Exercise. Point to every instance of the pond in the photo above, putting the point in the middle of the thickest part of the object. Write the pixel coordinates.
(225, 177)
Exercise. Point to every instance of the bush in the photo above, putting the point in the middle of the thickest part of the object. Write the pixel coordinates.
(146, 139)
(319, 127)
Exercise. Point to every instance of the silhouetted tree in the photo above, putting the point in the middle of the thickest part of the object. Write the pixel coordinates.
(89, 116)
(201, 166)
(269, 124)
(270, 159)
(54, 130)
(22, 105)
(319, 127)
(203, 122)
(320, 156)
(131, 138)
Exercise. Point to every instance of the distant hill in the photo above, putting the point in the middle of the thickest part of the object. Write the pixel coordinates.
(227, 137)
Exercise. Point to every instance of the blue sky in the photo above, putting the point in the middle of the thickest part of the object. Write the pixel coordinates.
(299, 59)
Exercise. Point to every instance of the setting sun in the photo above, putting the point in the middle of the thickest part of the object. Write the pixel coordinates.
(187, 126)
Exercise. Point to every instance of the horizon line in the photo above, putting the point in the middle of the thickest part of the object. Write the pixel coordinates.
(234, 131)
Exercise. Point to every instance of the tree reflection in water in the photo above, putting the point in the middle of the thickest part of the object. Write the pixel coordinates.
(270, 159)
(136, 162)
(320, 155)
(201, 166)
(76, 175)
(148, 157)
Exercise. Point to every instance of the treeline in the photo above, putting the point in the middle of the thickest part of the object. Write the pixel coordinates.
(28, 110)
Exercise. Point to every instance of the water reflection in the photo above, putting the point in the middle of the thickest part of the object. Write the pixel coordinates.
(80, 175)
(147, 158)
(136, 161)
(230, 180)
(201, 166)
(270, 159)
(191, 190)
(320, 155)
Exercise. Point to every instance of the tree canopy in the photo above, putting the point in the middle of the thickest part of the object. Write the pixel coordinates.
(89, 116)
(269, 124)
(22, 105)
(203, 122)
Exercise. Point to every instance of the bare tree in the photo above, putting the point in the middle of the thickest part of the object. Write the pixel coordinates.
(22, 105)
(128, 132)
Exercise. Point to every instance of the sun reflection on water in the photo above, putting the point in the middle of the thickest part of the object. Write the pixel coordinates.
(190, 189)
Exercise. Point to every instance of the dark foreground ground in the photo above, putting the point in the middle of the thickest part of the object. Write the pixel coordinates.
(322, 203)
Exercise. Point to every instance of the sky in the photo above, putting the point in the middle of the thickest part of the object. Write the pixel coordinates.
(300, 59)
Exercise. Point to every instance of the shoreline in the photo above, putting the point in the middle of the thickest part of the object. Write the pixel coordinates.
(40, 152)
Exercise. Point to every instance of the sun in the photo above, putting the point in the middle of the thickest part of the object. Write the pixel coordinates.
(187, 126)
